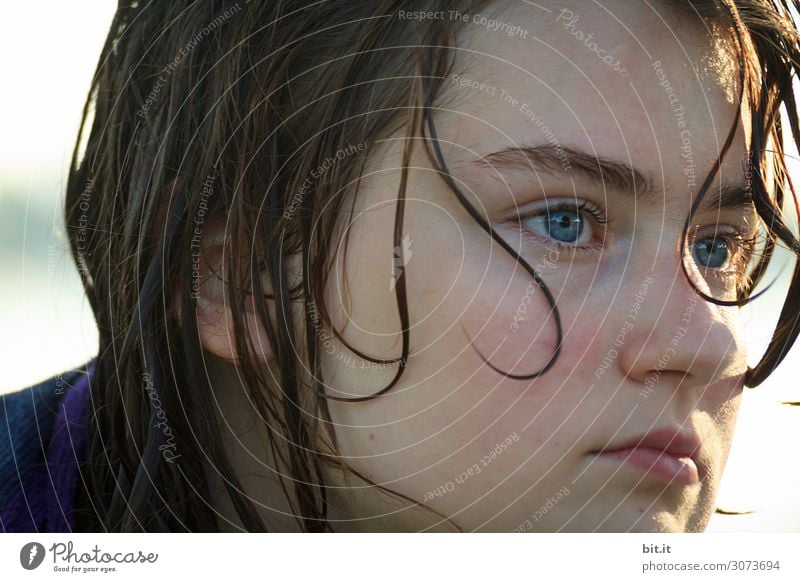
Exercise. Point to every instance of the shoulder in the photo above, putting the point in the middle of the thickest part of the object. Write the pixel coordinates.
(32, 424)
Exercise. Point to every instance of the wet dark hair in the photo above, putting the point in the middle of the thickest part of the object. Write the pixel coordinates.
(218, 108)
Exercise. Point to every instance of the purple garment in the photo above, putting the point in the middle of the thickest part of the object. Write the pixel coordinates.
(44, 501)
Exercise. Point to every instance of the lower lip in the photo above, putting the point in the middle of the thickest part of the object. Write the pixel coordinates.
(659, 464)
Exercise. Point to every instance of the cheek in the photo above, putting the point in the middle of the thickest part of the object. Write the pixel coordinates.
(513, 325)
(716, 416)
(495, 313)
(468, 301)
(720, 402)
(451, 416)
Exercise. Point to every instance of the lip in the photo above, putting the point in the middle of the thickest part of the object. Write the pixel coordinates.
(666, 454)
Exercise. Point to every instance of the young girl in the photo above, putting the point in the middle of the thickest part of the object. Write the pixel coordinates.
(430, 266)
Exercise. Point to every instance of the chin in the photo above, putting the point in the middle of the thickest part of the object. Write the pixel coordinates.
(656, 522)
(633, 518)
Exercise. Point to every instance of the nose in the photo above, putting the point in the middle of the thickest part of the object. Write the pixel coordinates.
(673, 334)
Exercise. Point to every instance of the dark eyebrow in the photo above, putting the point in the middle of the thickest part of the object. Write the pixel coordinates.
(560, 161)
(729, 197)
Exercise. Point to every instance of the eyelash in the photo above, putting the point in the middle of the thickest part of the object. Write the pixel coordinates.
(744, 247)
(599, 227)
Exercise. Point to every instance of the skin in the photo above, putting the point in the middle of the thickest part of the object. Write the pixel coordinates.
(450, 410)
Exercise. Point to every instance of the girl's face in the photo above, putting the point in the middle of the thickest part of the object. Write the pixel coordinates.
(523, 123)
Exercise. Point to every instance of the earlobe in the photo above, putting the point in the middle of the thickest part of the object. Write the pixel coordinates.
(214, 300)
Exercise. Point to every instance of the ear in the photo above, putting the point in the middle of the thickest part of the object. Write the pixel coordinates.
(213, 314)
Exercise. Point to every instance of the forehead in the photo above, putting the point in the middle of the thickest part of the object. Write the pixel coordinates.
(632, 81)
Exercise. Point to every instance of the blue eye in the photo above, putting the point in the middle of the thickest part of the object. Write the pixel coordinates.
(565, 225)
(568, 225)
(712, 253)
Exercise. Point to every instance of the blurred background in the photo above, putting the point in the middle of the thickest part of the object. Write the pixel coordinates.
(48, 52)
